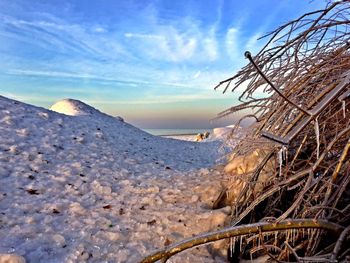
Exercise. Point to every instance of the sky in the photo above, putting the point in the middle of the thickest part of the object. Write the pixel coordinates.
(154, 63)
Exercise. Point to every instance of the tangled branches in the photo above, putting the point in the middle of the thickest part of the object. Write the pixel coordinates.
(298, 86)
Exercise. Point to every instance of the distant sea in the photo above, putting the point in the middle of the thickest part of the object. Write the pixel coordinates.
(176, 131)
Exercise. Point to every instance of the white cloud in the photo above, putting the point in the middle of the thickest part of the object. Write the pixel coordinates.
(210, 44)
(99, 29)
(177, 41)
(57, 35)
(166, 43)
(232, 43)
(143, 36)
(129, 82)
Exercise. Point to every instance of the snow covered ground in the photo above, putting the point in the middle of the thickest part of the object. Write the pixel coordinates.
(92, 188)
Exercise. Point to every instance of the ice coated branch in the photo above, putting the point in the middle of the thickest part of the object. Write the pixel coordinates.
(239, 231)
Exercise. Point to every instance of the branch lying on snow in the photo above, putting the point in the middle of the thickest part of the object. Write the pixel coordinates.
(257, 228)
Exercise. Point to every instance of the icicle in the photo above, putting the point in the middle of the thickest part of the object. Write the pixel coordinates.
(231, 247)
(288, 235)
(284, 153)
(317, 132)
(298, 233)
(293, 236)
(240, 243)
(280, 160)
(343, 106)
(275, 241)
(282, 157)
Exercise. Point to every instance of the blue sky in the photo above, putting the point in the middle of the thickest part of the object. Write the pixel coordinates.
(153, 62)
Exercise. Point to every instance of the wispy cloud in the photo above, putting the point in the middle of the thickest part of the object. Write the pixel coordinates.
(60, 74)
(232, 42)
(143, 36)
(99, 29)
(167, 43)
(198, 73)
(58, 36)
(210, 45)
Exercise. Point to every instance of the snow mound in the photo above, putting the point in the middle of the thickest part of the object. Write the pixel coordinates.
(74, 108)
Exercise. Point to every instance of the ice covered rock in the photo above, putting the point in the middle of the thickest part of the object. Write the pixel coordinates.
(199, 137)
(244, 165)
(11, 258)
(202, 136)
